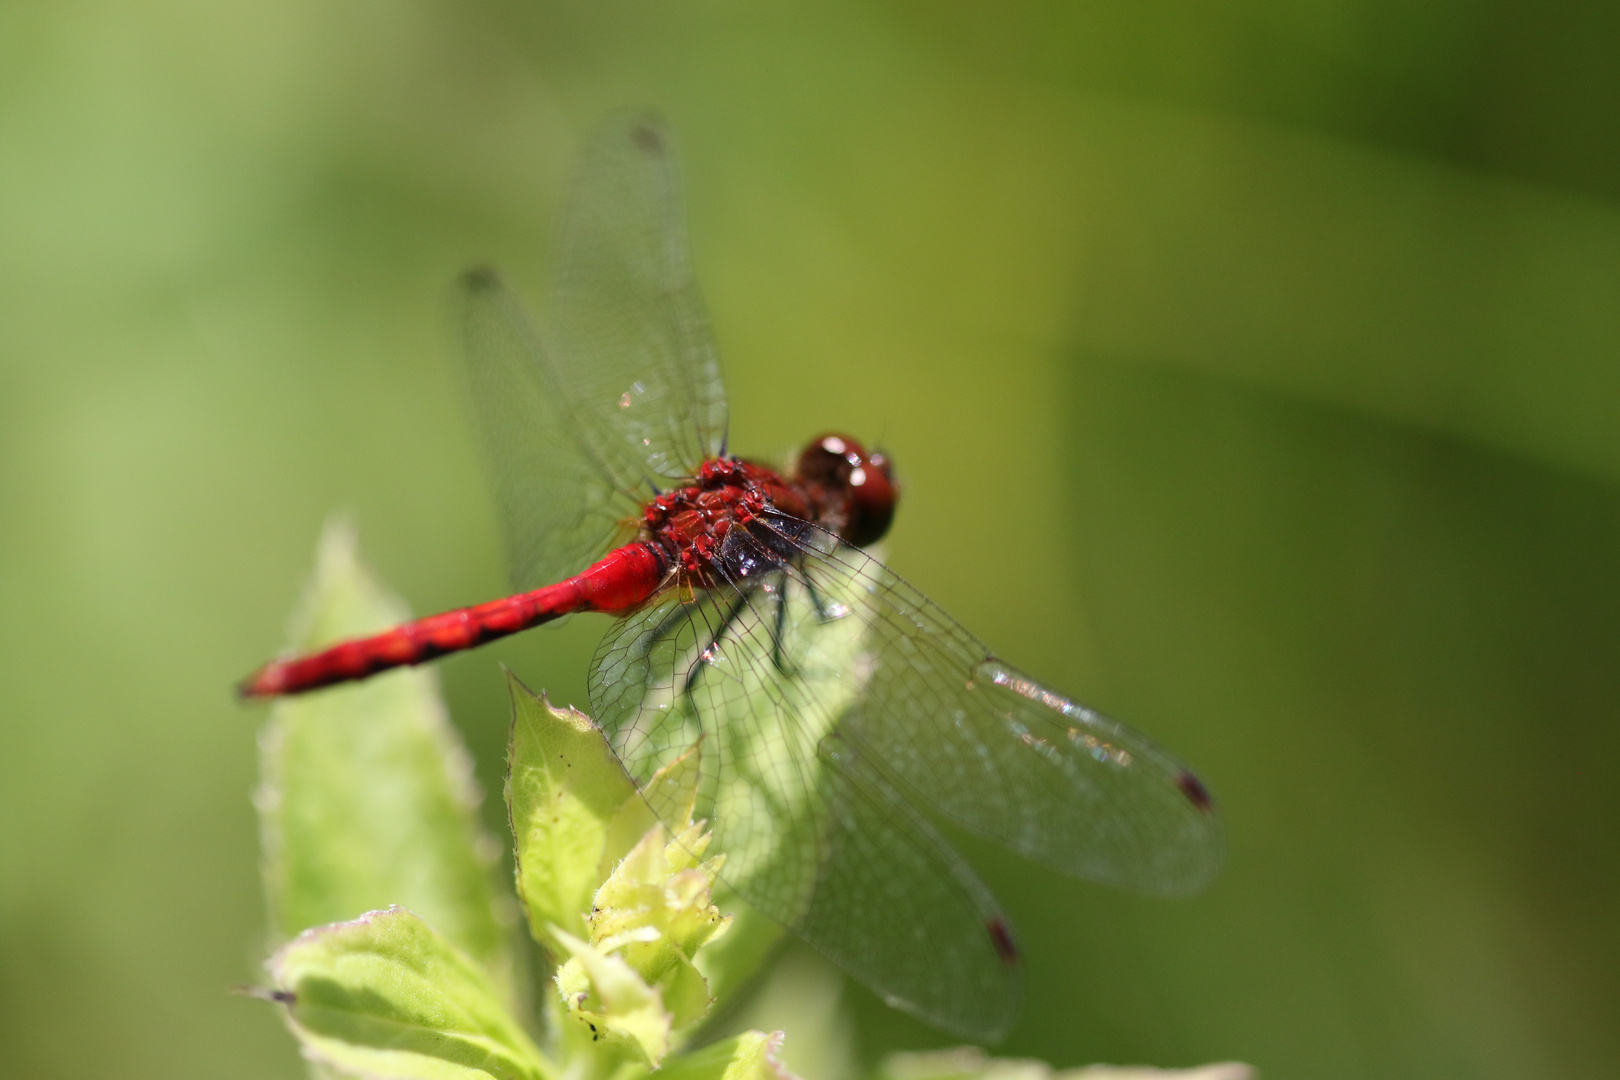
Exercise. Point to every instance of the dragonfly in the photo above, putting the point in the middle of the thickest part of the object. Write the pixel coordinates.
(842, 715)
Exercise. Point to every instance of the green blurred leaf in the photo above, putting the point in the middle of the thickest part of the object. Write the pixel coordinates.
(563, 789)
(367, 797)
(388, 996)
(971, 1063)
(804, 993)
(749, 1056)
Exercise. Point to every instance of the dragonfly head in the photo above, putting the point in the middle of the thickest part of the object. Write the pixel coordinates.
(858, 484)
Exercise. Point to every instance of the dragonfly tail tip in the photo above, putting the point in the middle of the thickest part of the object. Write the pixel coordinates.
(262, 683)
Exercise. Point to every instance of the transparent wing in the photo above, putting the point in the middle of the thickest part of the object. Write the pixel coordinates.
(962, 732)
(897, 908)
(813, 832)
(632, 341)
(624, 394)
(561, 505)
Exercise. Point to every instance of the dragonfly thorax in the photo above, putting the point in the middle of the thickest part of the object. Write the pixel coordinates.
(690, 523)
(838, 485)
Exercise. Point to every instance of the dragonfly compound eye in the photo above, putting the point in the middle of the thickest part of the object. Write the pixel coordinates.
(862, 481)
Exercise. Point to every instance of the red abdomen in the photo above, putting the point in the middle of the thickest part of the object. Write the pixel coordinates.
(623, 579)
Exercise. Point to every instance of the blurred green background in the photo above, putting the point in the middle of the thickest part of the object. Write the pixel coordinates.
(1253, 370)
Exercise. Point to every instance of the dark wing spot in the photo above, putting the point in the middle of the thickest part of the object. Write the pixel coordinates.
(647, 138)
(1196, 792)
(1001, 937)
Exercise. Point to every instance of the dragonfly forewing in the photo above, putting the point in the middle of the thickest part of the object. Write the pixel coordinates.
(561, 505)
(621, 396)
(631, 336)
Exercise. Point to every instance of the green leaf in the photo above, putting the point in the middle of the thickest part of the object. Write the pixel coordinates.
(607, 997)
(387, 996)
(655, 911)
(668, 797)
(563, 789)
(729, 963)
(367, 797)
(595, 860)
(749, 1056)
(971, 1063)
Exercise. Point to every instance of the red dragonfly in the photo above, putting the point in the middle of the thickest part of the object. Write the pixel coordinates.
(835, 702)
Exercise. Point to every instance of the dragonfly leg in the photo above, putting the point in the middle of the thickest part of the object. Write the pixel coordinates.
(779, 628)
(815, 599)
(700, 665)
